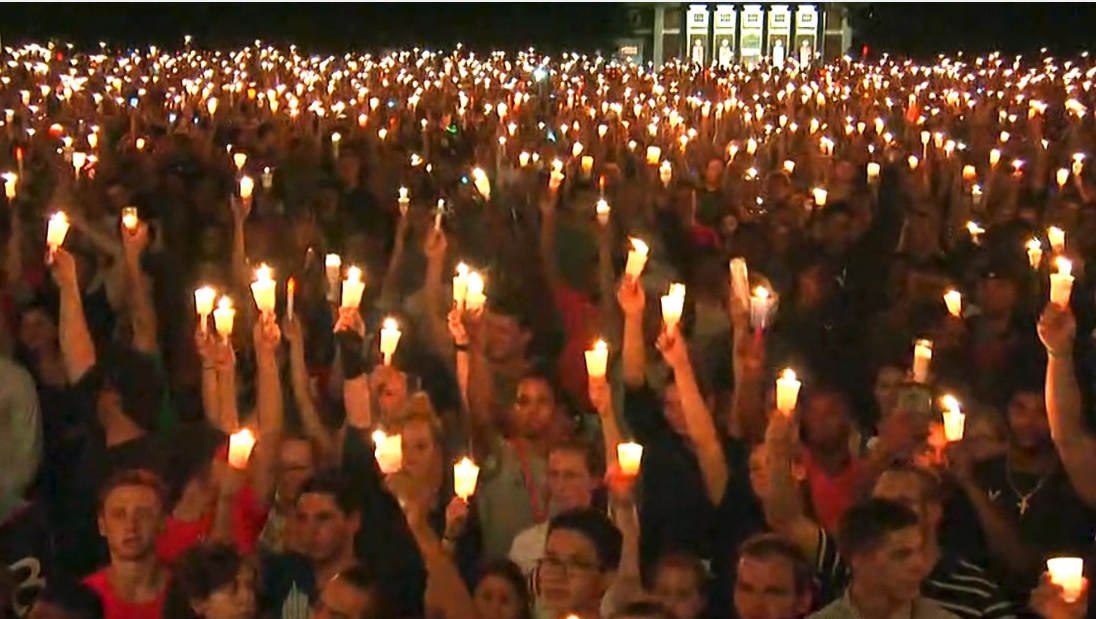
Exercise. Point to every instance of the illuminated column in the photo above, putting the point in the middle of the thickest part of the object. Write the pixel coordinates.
(696, 30)
(724, 46)
(659, 26)
(806, 33)
(752, 30)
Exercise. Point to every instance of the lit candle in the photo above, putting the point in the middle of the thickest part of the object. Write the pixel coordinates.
(465, 475)
(602, 130)
(912, 161)
(203, 304)
(247, 187)
(290, 295)
(352, 288)
(240, 160)
(597, 361)
(475, 299)
(654, 154)
(439, 211)
(665, 173)
(954, 301)
(576, 150)
(873, 172)
(1057, 239)
(129, 218)
(602, 209)
(479, 179)
(140, 143)
(787, 391)
(969, 173)
(994, 157)
(789, 166)
(759, 307)
(523, 159)
(1034, 253)
(388, 450)
(211, 105)
(1061, 283)
(820, 195)
(1062, 175)
(240, 445)
(404, 200)
(79, 160)
(336, 138)
(390, 339)
(1067, 573)
(629, 456)
(460, 286)
(267, 179)
(954, 419)
(57, 230)
(637, 259)
(332, 266)
(10, 182)
(555, 179)
(224, 318)
(263, 290)
(587, 164)
(922, 357)
(673, 305)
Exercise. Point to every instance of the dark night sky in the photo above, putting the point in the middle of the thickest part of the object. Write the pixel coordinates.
(911, 28)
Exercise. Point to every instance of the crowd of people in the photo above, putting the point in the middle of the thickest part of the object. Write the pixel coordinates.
(382, 337)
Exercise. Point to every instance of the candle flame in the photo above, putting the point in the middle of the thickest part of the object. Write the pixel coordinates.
(788, 374)
(1065, 267)
(639, 246)
(390, 324)
(353, 274)
(225, 303)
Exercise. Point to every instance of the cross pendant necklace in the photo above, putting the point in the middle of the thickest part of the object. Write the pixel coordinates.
(1023, 504)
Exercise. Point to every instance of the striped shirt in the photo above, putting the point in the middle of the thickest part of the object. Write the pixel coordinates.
(959, 586)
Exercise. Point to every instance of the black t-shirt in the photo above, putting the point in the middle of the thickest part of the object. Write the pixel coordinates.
(289, 586)
(674, 509)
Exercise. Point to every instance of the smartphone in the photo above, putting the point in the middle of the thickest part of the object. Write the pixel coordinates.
(133, 102)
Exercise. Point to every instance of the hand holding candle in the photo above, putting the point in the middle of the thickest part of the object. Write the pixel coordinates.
(954, 300)
(637, 259)
(1067, 573)
(388, 450)
(922, 357)
(476, 299)
(673, 305)
(954, 419)
(247, 187)
(56, 231)
(263, 290)
(352, 288)
(629, 456)
(240, 445)
(224, 318)
(129, 218)
(465, 475)
(787, 391)
(203, 304)
(1061, 283)
(390, 339)
(597, 361)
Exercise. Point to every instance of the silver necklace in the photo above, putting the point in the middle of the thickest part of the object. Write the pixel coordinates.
(1023, 502)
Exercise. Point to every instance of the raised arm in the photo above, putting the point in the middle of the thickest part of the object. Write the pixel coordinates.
(781, 500)
(390, 284)
(268, 404)
(1076, 446)
(633, 349)
(349, 337)
(548, 233)
(140, 290)
(601, 395)
(698, 419)
(211, 402)
(302, 393)
(435, 247)
(77, 347)
(481, 390)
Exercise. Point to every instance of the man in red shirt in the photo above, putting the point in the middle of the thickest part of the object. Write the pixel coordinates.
(131, 516)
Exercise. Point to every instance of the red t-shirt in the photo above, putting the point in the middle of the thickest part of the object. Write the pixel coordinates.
(115, 607)
(831, 496)
(579, 317)
(248, 519)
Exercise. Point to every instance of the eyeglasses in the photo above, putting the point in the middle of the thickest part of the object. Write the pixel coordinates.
(567, 568)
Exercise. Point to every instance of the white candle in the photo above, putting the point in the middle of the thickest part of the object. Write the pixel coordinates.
(994, 157)
(460, 286)
(224, 318)
(1067, 573)
(247, 187)
(820, 196)
(263, 290)
(352, 288)
(10, 182)
(954, 419)
(873, 172)
(912, 161)
(1035, 253)
(673, 305)
(576, 150)
(1057, 239)
(57, 230)
(654, 153)
(1062, 175)
(602, 209)
(332, 264)
(637, 259)
(969, 173)
(390, 339)
(465, 475)
(267, 179)
(475, 299)
(597, 361)
(404, 201)
(666, 173)
(789, 166)
(787, 391)
(922, 357)
(523, 159)
(211, 105)
(129, 218)
(388, 451)
(290, 295)
(760, 303)
(79, 160)
(240, 160)
(240, 445)
(1061, 283)
(335, 139)
(954, 300)
(439, 211)
(587, 165)
(629, 456)
(479, 179)
(140, 143)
